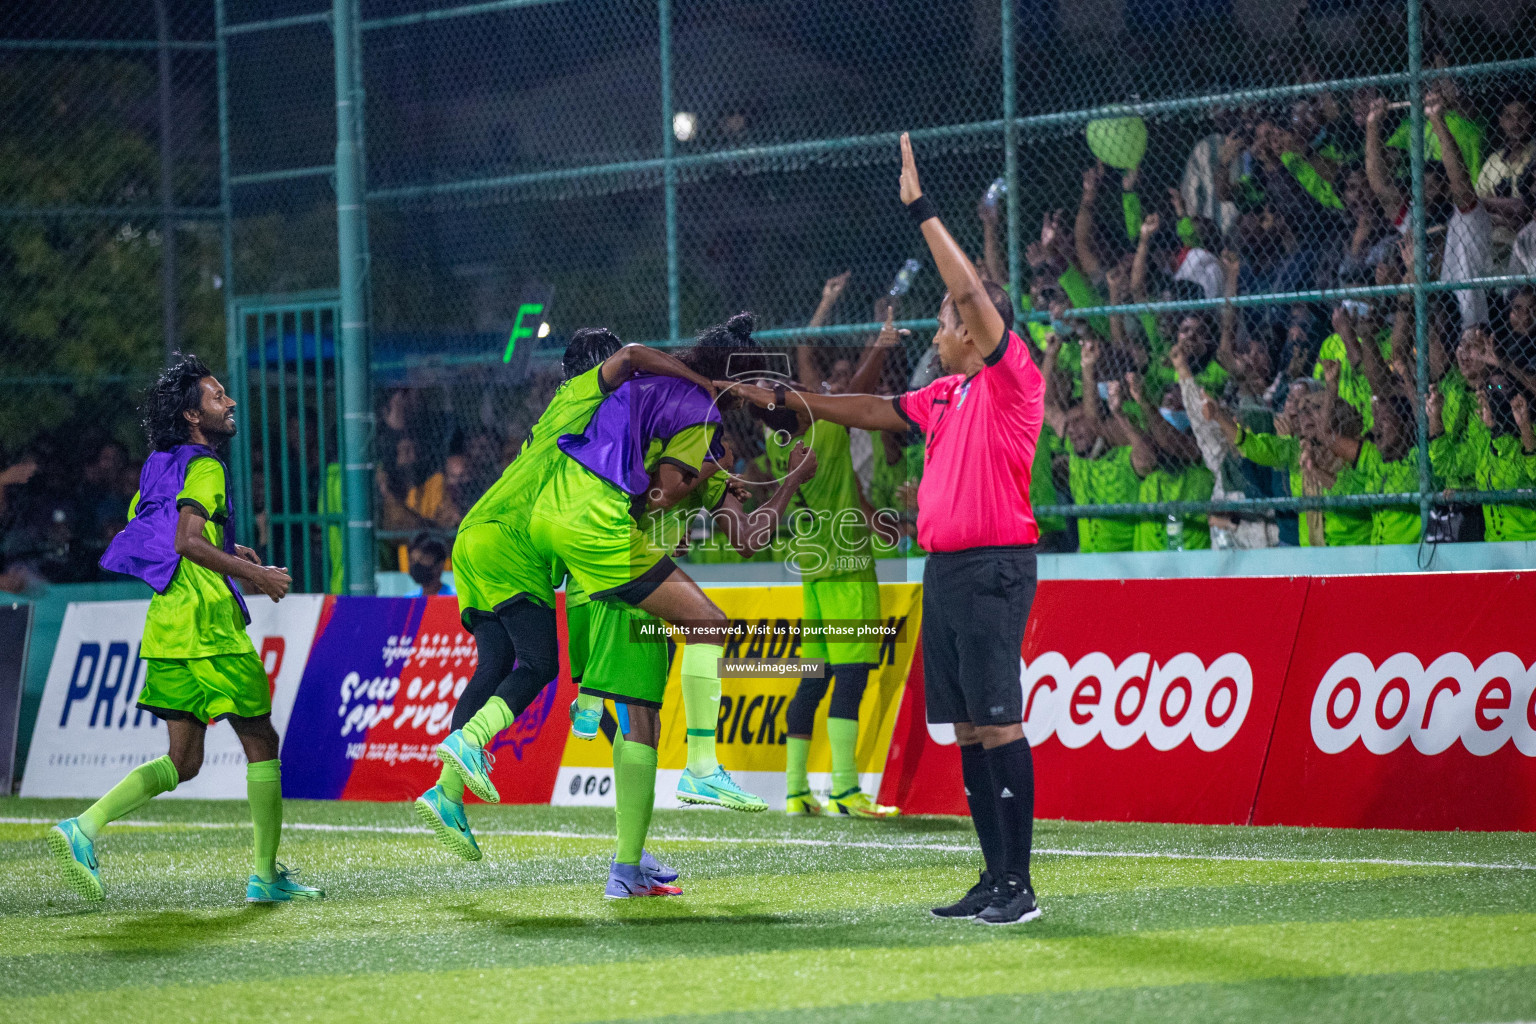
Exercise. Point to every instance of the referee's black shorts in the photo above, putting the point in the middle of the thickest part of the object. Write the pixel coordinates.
(975, 606)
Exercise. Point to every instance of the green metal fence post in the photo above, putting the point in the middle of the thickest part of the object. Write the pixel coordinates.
(357, 413)
(168, 275)
(669, 167)
(234, 350)
(1011, 153)
(1420, 250)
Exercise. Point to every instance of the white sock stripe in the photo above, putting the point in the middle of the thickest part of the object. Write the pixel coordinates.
(832, 843)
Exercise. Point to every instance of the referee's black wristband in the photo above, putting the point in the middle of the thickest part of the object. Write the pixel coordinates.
(921, 209)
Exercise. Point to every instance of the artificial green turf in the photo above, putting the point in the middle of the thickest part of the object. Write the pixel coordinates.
(780, 917)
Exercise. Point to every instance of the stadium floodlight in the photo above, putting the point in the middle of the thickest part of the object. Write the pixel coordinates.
(685, 125)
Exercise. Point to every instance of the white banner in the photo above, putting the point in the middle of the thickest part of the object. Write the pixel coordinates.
(89, 734)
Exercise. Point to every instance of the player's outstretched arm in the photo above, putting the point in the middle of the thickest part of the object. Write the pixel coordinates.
(868, 412)
(191, 544)
(633, 359)
(980, 317)
(750, 532)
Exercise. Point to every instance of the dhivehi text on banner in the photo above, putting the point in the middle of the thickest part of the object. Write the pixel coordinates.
(378, 696)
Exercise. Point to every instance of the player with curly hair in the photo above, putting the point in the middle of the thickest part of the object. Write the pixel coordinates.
(202, 666)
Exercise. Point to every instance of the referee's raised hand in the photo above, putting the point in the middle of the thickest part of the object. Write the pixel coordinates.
(911, 190)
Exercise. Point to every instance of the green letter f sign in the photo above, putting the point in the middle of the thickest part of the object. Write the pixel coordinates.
(527, 309)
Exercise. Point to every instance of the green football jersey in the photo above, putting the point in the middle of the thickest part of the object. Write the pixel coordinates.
(510, 497)
(1107, 480)
(831, 535)
(197, 615)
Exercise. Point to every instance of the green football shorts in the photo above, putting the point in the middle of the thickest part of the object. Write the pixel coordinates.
(845, 603)
(206, 689)
(583, 523)
(494, 564)
(629, 655)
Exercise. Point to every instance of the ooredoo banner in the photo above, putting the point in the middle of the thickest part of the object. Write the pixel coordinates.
(89, 734)
(750, 733)
(1144, 700)
(1410, 703)
(378, 695)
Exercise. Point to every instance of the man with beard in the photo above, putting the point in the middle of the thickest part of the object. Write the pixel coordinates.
(202, 666)
(982, 421)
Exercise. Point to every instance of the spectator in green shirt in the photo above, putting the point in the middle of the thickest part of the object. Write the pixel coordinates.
(1353, 323)
(1099, 467)
(1167, 459)
(1501, 457)
(1300, 446)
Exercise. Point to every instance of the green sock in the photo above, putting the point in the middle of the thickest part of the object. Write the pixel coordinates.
(618, 783)
(796, 752)
(264, 790)
(450, 783)
(487, 722)
(138, 788)
(843, 737)
(634, 797)
(587, 702)
(701, 704)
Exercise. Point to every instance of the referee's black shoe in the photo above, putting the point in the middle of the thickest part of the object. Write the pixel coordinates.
(1012, 903)
(972, 903)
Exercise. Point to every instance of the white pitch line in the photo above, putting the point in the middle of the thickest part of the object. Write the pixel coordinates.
(831, 843)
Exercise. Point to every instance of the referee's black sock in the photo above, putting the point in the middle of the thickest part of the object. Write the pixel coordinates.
(1012, 768)
(980, 795)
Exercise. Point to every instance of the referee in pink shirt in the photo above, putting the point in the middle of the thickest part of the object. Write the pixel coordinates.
(981, 422)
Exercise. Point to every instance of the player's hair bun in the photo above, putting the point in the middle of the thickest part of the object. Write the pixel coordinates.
(741, 326)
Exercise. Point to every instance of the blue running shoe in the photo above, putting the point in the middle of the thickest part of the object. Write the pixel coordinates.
(656, 869)
(717, 790)
(628, 880)
(446, 820)
(281, 889)
(76, 854)
(472, 764)
(585, 723)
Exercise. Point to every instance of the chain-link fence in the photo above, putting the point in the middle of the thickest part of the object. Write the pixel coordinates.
(656, 167)
(1276, 258)
(109, 258)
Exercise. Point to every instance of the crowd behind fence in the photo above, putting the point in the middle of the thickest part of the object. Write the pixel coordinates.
(1276, 261)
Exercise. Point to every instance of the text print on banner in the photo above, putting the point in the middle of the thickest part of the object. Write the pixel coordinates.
(1482, 707)
(378, 697)
(89, 733)
(766, 626)
(1141, 705)
(1393, 721)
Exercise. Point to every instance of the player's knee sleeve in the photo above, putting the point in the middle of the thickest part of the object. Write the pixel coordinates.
(800, 716)
(534, 640)
(848, 690)
(537, 649)
(493, 663)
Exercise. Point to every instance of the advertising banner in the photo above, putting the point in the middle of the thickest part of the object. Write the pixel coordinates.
(1144, 700)
(378, 695)
(15, 630)
(750, 733)
(89, 734)
(1410, 703)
